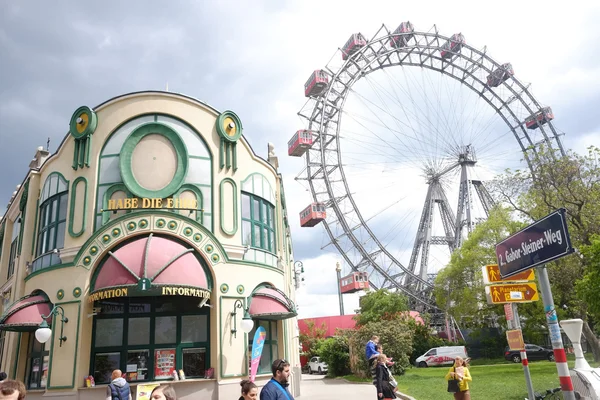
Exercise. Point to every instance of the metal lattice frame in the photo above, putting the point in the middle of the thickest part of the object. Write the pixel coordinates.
(345, 225)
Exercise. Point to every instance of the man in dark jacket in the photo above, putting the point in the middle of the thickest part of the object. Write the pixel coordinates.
(276, 388)
(118, 388)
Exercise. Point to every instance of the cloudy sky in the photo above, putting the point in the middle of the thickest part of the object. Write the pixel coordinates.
(254, 59)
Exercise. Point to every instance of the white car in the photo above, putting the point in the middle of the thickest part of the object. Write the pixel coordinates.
(316, 365)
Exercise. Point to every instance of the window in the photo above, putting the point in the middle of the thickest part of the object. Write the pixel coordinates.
(148, 338)
(53, 219)
(14, 245)
(258, 223)
(271, 348)
(37, 364)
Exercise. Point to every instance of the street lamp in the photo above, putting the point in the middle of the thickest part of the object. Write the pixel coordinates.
(338, 269)
(43, 333)
(298, 270)
(247, 322)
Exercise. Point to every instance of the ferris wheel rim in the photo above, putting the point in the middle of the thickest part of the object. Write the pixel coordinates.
(471, 65)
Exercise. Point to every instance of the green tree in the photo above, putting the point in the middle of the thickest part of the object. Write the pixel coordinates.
(311, 336)
(380, 305)
(335, 351)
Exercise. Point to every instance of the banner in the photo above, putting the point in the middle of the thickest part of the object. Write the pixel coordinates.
(257, 348)
(144, 390)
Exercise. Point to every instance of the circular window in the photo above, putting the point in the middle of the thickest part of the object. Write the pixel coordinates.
(154, 161)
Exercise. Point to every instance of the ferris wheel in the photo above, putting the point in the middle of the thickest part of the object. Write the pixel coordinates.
(401, 133)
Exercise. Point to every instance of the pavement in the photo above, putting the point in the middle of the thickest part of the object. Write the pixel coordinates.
(316, 387)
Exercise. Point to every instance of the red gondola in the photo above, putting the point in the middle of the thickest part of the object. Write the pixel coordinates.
(354, 282)
(402, 35)
(316, 84)
(300, 142)
(500, 75)
(356, 41)
(312, 214)
(453, 45)
(539, 118)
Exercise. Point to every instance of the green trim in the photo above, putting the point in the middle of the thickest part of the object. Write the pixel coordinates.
(35, 225)
(199, 198)
(60, 176)
(200, 158)
(72, 207)
(16, 362)
(127, 152)
(48, 269)
(234, 197)
(91, 126)
(54, 323)
(116, 187)
(109, 156)
(221, 339)
(222, 130)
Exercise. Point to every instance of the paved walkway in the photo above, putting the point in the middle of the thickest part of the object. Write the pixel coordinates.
(314, 387)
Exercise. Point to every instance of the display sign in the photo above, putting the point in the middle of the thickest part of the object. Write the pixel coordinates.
(148, 290)
(257, 348)
(164, 363)
(131, 203)
(515, 340)
(512, 293)
(491, 274)
(543, 241)
(144, 390)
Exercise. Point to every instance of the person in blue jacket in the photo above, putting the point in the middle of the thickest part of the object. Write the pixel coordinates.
(371, 349)
(276, 388)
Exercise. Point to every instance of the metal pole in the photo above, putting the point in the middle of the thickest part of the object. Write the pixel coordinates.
(516, 322)
(338, 270)
(566, 385)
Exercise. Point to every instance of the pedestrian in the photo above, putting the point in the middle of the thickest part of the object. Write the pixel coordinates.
(385, 390)
(12, 390)
(166, 392)
(3, 376)
(249, 390)
(371, 349)
(276, 388)
(460, 372)
(118, 388)
(388, 363)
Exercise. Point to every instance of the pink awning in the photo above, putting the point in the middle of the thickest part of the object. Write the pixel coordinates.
(26, 314)
(149, 263)
(269, 302)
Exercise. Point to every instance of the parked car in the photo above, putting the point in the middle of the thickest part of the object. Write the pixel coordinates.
(533, 351)
(316, 365)
(444, 355)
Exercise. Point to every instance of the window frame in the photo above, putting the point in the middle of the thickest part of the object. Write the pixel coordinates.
(31, 355)
(151, 346)
(267, 240)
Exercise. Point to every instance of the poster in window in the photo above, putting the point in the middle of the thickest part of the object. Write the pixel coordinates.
(164, 363)
(144, 390)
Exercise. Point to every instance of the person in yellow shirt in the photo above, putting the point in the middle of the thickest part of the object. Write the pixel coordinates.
(460, 371)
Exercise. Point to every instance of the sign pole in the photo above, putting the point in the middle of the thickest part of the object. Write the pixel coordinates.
(516, 324)
(566, 385)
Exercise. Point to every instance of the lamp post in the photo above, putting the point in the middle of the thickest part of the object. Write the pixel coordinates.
(338, 269)
(247, 323)
(43, 333)
(298, 271)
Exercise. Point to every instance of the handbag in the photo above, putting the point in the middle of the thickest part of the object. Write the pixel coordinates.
(453, 385)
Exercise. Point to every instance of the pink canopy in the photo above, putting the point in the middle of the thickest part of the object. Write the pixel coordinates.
(269, 302)
(26, 314)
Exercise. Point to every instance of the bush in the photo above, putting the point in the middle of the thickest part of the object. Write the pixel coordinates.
(335, 352)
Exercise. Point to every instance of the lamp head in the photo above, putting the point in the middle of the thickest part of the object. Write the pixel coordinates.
(43, 333)
(247, 323)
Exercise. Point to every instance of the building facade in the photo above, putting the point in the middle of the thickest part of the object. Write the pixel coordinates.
(144, 243)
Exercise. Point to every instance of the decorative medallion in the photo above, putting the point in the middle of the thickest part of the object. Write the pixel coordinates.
(224, 288)
(87, 260)
(131, 226)
(93, 250)
(160, 223)
(208, 248)
(116, 232)
(105, 239)
(143, 223)
(240, 289)
(82, 126)
(188, 231)
(172, 225)
(197, 237)
(215, 257)
(77, 292)
(60, 294)
(229, 127)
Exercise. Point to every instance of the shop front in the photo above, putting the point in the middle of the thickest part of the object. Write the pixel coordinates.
(143, 250)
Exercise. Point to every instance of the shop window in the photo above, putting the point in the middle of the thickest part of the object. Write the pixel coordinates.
(271, 348)
(150, 337)
(258, 222)
(37, 364)
(14, 245)
(52, 222)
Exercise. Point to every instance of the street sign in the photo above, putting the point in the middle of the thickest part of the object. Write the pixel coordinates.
(508, 311)
(543, 241)
(491, 274)
(512, 293)
(515, 340)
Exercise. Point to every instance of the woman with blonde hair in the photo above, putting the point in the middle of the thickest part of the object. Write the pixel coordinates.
(385, 390)
(460, 372)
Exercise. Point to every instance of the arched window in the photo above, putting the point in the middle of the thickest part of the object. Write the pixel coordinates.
(258, 213)
(53, 221)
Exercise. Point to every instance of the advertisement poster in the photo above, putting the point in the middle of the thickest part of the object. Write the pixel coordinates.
(257, 348)
(164, 363)
(144, 390)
